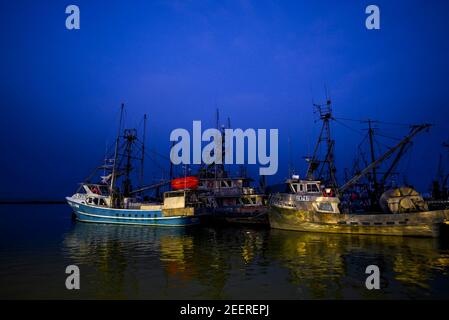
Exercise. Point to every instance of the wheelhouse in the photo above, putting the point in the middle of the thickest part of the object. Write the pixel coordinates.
(181, 199)
(94, 194)
(98, 189)
(304, 186)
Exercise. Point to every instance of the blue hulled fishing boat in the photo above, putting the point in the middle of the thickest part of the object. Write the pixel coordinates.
(105, 202)
(93, 207)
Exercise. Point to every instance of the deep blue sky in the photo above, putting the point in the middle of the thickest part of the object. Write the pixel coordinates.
(261, 62)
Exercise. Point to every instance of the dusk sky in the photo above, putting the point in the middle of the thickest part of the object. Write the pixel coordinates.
(262, 63)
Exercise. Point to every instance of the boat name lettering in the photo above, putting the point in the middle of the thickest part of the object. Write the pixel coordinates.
(303, 198)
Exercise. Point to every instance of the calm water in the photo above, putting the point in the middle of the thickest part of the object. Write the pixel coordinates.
(123, 262)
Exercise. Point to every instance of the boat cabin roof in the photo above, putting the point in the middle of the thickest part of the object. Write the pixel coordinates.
(95, 188)
(302, 181)
(226, 178)
(177, 193)
(306, 186)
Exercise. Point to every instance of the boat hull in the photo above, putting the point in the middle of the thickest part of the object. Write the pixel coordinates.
(241, 215)
(88, 213)
(421, 224)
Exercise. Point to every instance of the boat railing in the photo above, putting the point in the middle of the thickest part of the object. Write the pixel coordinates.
(133, 205)
(233, 191)
(248, 190)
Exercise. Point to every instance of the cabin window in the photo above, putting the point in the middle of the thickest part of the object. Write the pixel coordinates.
(225, 183)
(104, 190)
(295, 188)
(325, 206)
(102, 202)
(174, 194)
(301, 187)
(312, 187)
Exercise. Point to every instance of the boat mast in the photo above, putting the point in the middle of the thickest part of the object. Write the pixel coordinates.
(171, 164)
(223, 146)
(444, 184)
(325, 111)
(446, 178)
(114, 167)
(373, 157)
(130, 136)
(439, 184)
(290, 162)
(218, 128)
(142, 162)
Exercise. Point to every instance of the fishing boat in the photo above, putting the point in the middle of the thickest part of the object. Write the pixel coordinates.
(106, 202)
(91, 206)
(310, 205)
(233, 200)
(306, 205)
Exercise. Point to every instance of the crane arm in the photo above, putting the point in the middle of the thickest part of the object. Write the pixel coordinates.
(414, 131)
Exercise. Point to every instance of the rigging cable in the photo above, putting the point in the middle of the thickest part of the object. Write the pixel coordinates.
(348, 127)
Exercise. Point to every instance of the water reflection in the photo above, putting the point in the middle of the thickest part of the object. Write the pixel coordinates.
(131, 262)
(234, 263)
(333, 266)
(178, 263)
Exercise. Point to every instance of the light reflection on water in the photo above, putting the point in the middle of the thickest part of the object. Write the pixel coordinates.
(123, 262)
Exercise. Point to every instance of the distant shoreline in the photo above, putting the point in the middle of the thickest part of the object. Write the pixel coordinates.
(32, 202)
